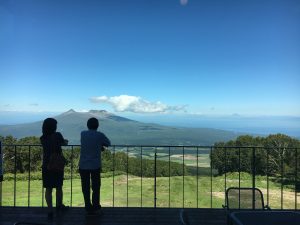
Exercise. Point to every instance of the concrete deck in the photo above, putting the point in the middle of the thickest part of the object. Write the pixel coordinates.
(111, 216)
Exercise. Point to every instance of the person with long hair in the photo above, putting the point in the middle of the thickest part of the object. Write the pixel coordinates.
(52, 141)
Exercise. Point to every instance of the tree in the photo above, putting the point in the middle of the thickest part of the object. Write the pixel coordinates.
(273, 154)
(9, 153)
(282, 152)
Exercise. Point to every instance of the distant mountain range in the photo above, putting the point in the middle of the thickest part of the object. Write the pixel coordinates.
(122, 131)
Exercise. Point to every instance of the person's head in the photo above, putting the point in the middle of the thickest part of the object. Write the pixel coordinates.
(93, 124)
(49, 126)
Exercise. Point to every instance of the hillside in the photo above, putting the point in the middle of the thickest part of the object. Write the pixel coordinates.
(122, 131)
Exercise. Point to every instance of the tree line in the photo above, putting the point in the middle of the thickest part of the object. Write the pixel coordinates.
(275, 155)
(21, 159)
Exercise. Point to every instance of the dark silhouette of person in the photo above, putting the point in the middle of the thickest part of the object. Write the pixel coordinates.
(52, 140)
(92, 143)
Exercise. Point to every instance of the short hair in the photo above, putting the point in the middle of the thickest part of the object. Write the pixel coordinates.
(49, 126)
(93, 123)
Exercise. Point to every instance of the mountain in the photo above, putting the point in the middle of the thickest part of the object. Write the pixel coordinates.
(122, 131)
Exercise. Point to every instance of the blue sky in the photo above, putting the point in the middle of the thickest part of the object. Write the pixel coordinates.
(209, 57)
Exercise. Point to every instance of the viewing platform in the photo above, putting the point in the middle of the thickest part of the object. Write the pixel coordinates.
(111, 216)
(151, 184)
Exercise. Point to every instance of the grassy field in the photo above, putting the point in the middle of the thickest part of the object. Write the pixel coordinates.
(132, 191)
(175, 154)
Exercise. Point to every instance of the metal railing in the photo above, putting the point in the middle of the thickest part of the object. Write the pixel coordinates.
(160, 176)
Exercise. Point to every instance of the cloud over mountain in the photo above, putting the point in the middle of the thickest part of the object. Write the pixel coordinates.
(127, 103)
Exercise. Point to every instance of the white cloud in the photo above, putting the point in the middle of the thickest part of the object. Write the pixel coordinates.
(127, 103)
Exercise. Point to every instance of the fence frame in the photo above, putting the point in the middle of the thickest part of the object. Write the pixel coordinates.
(209, 149)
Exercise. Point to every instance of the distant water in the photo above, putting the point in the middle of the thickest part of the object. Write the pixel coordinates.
(260, 125)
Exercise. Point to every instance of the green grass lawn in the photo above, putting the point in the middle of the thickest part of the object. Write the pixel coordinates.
(132, 191)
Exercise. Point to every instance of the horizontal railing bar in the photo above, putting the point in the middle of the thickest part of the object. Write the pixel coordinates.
(161, 146)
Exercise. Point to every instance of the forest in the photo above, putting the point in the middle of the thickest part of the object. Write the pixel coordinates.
(111, 161)
(274, 155)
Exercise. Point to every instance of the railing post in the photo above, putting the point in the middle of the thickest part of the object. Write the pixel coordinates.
(155, 156)
(239, 177)
(15, 176)
(268, 152)
(281, 177)
(225, 172)
(114, 153)
(197, 178)
(29, 170)
(211, 174)
(1, 173)
(1, 163)
(169, 176)
(43, 191)
(253, 176)
(127, 171)
(72, 156)
(141, 176)
(296, 178)
(183, 176)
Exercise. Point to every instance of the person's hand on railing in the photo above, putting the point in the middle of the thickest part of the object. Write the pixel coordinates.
(66, 142)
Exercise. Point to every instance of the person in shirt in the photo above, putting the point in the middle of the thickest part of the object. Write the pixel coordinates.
(92, 143)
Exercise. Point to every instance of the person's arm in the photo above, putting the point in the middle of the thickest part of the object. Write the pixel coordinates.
(62, 141)
(106, 141)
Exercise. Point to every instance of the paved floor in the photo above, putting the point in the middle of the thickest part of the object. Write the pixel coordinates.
(111, 216)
